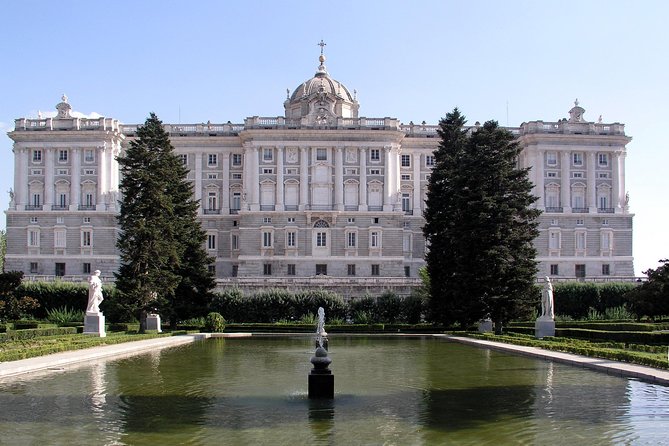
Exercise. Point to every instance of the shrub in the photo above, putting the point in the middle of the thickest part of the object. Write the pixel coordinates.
(15, 335)
(64, 315)
(25, 325)
(214, 323)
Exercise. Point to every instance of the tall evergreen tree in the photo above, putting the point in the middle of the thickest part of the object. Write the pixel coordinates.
(479, 225)
(163, 261)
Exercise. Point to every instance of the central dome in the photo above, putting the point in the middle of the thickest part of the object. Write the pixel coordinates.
(321, 99)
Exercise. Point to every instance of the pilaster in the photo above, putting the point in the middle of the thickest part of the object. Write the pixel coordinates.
(339, 179)
(363, 179)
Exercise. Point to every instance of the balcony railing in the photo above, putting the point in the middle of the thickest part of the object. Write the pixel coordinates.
(580, 210)
(86, 207)
(234, 211)
(605, 210)
(211, 211)
(554, 209)
(58, 207)
(291, 207)
(33, 207)
(266, 207)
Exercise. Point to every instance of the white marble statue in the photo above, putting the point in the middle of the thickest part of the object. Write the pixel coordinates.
(94, 293)
(547, 311)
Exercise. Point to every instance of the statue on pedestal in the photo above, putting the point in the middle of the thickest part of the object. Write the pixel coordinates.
(547, 311)
(94, 293)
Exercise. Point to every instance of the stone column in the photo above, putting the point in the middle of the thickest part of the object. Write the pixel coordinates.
(363, 179)
(198, 180)
(565, 182)
(255, 185)
(75, 187)
(48, 178)
(592, 188)
(101, 203)
(417, 201)
(279, 201)
(388, 198)
(20, 177)
(621, 181)
(339, 179)
(304, 178)
(224, 199)
(615, 175)
(539, 180)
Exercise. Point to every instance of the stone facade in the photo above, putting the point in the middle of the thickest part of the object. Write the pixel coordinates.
(319, 192)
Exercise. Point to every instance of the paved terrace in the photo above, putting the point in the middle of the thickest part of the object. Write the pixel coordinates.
(58, 361)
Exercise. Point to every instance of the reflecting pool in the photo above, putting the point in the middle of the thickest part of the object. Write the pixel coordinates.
(388, 391)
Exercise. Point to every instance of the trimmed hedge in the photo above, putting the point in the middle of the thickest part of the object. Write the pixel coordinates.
(23, 325)
(575, 299)
(605, 326)
(637, 337)
(16, 335)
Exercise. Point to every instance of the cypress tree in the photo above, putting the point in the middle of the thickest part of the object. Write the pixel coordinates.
(163, 261)
(479, 226)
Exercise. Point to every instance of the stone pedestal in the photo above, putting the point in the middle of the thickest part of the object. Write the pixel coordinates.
(321, 386)
(544, 327)
(485, 326)
(94, 324)
(153, 322)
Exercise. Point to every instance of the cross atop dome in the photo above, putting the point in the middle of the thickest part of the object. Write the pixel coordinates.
(321, 44)
(321, 68)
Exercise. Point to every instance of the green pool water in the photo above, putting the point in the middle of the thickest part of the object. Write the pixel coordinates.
(388, 391)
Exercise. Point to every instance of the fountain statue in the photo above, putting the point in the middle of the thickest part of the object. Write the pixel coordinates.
(321, 379)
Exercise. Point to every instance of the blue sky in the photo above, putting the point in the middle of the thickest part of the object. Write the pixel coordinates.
(199, 61)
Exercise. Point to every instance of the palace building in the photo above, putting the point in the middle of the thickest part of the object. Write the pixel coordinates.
(320, 193)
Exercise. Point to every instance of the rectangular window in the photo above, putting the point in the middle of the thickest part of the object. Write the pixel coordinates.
(267, 154)
(375, 270)
(351, 241)
(374, 239)
(321, 269)
(350, 220)
(406, 160)
(350, 270)
(579, 271)
(184, 158)
(86, 268)
(236, 176)
(59, 238)
(212, 159)
(603, 159)
(211, 241)
(86, 239)
(234, 242)
(33, 219)
(267, 269)
(291, 269)
(87, 220)
(429, 160)
(60, 269)
(579, 222)
(606, 269)
(267, 219)
(577, 158)
(375, 220)
(603, 175)
(351, 171)
(551, 158)
(34, 267)
(236, 201)
(551, 174)
(580, 241)
(89, 171)
(268, 170)
(321, 154)
(63, 172)
(235, 270)
(407, 271)
(554, 270)
(36, 172)
(89, 155)
(291, 219)
(33, 237)
(62, 156)
(37, 200)
(291, 239)
(236, 159)
(406, 202)
(37, 156)
(577, 174)
(554, 240)
(267, 239)
(211, 269)
(321, 239)
(375, 154)
(375, 171)
(406, 177)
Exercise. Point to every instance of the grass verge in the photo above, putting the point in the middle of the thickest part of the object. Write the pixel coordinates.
(648, 355)
(44, 345)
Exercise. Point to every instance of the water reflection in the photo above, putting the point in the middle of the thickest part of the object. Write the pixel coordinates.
(387, 391)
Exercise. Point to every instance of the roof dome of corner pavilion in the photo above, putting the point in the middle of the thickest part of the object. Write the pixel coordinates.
(321, 99)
